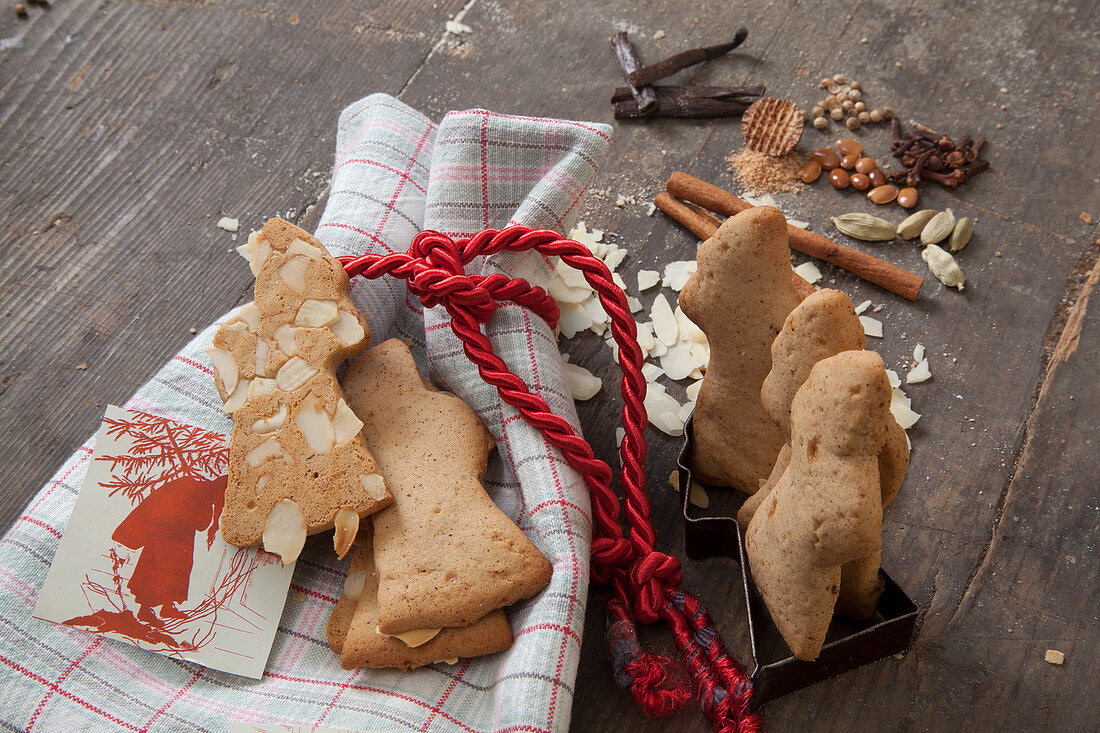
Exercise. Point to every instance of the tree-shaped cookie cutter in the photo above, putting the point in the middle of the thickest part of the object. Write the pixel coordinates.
(849, 644)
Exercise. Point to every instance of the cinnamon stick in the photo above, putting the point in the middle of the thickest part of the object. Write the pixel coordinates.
(703, 225)
(887, 276)
(668, 67)
(645, 99)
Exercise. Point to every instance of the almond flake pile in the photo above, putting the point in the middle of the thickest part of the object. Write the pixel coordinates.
(678, 348)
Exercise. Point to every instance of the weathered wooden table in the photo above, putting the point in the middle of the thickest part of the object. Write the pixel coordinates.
(127, 127)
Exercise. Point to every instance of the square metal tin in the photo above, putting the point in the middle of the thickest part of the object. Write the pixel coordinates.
(849, 645)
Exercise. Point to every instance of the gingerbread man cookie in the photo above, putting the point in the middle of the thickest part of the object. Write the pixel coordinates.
(826, 509)
(298, 463)
(823, 325)
(446, 555)
(739, 296)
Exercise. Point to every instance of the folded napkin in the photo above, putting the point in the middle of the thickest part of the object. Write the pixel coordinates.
(395, 174)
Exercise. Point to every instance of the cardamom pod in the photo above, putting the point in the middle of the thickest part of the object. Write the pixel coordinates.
(960, 235)
(911, 227)
(939, 228)
(943, 266)
(864, 226)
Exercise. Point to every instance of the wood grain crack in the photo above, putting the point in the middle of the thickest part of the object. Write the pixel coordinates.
(1067, 325)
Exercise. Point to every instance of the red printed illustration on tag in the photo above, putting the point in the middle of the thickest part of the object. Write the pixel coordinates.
(144, 552)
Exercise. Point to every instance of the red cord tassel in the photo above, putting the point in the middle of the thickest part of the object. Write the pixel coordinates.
(646, 582)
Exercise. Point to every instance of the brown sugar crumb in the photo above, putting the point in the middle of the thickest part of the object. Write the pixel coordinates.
(763, 173)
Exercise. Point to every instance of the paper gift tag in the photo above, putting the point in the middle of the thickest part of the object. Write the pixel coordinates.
(142, 559)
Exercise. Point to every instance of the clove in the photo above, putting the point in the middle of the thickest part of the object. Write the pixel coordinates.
(927, 155)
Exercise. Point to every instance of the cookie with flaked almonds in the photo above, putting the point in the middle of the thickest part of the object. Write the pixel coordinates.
(298, 463)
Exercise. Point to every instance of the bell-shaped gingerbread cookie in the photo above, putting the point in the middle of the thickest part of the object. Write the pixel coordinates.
(826, 509)
(739, 296)
(352, 628)
(445, 554)
(297, 460)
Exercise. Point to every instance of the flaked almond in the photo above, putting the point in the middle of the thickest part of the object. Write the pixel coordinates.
(316, 426)
(293, 273)
(226, 367)
(664, 322)
(346, 525)
(353, 584)
(647, 279)
(348, 329)
(285, 531)
(413, 638)
(285, 339)
(301, 247)
(374, 485)
(316, 313)
(692, 392)
(699, 496)
(265, 451)
(258, 252)
(239, 397)
(249, 314)
(271, 423)
(294, 374)
(262, 350)
(260, 386)
(345, 423)
(583, 384)
(678, 362)
(871, 326)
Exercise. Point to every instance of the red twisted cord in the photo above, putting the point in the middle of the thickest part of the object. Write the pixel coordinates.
(643, 578)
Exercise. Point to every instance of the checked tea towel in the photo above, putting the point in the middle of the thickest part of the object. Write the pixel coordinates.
(396, 173)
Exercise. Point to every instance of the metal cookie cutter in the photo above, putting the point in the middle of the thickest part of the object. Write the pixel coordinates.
(850, 644)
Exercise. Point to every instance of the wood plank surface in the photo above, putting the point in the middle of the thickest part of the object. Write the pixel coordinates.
(128, 127)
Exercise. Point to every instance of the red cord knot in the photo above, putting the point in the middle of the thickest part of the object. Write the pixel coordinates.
(652, 575)
(657, 565)
(440, 277)
(611, 552)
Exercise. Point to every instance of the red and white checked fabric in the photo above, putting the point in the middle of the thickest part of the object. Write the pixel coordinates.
(395, 174)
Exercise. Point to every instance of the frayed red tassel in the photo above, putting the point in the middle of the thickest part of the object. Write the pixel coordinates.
(658, 685)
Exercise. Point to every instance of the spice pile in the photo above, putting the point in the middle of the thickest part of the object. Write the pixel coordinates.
(848, 166)
(845, 100)
(928, 155)
(760, 172)
(933, 227)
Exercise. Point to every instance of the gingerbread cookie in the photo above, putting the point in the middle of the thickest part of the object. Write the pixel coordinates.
(298, 463)
(825, 324)
(822, 325)
(446, 555)
(353, 628)
(826, 510)
(739, 296)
